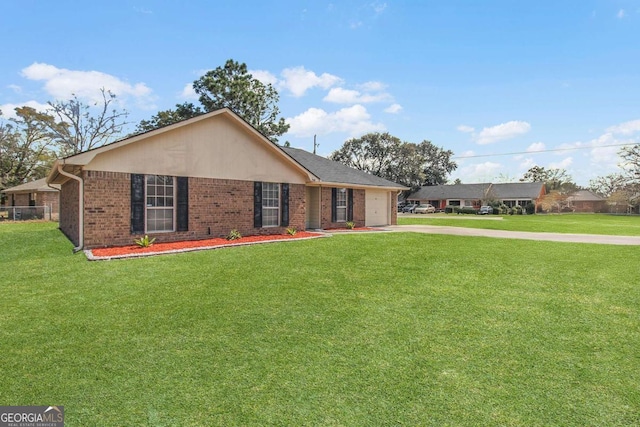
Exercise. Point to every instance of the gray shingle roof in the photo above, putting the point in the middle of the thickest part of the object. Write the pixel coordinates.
(517, 190)
(32, 186)
(514, 190)
(585, 196)
(456, 191)
(331, 171)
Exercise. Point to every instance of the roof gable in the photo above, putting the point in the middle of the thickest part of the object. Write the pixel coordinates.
(218, 144)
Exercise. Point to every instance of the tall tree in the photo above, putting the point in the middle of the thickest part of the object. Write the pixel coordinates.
(232, 86)
(25, 146)
(373, 153)
(81, 130)
(554, 178)
(630, 157)
(384, 155)
(168, 117)
(437, 163)
(607, 185)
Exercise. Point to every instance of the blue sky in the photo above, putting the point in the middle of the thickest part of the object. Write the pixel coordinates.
(481, 78)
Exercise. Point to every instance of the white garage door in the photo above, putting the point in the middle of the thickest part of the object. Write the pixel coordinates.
(377, 207)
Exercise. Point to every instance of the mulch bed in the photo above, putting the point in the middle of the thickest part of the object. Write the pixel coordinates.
(133, 251)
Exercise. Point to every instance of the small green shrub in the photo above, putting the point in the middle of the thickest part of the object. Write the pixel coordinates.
(291, 231)
(530, 208)
(449, 209)
(234, 235)
(144, 242)
(350, 225)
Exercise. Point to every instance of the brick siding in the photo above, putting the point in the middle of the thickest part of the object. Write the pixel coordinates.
(216, 207)
(69, 210)
(359, 209)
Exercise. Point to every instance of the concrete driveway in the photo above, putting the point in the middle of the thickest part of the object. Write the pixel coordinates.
(551, 237)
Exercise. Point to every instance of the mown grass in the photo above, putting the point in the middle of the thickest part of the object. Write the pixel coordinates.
(565, 223)
(366, 329)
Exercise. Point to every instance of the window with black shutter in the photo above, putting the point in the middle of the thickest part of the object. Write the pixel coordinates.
(137, 203)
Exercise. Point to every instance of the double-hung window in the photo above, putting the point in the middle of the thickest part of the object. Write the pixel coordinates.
(160, 200)
(270, 204)
(341, 205)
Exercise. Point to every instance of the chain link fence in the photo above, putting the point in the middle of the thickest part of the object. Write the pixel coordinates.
(25, 213)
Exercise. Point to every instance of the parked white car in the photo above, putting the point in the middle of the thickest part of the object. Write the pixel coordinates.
(424, 209)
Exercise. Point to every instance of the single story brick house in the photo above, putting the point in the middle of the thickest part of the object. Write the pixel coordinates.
(34, 193)
(203, 177)
(587, 201)
(476, 195)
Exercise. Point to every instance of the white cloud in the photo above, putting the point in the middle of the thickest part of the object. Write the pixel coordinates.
(626, 128)
(15, 88)
(340, 95)
(188, 93)
(378, 8)
(527, 164)
(356, 24)
(502, 131)
(393, 109)
(264, 77)
(353, 121)
(372, 86)
(298, 80)
(478, 172)
(465, 129)
(8, 110)
(563, 164)
(61, 83)
(621, 14)
(536, 146)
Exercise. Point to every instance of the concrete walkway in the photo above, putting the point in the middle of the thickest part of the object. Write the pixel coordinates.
(551, 237)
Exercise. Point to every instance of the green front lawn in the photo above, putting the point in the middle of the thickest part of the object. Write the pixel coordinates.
(564, 223)
(361, 329)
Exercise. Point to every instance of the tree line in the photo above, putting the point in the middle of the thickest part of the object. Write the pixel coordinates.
(30, 142)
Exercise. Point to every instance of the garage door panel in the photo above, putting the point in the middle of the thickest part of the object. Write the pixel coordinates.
(377, 207)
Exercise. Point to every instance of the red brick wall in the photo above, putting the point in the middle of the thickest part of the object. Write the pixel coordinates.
(215, 208)
(394, 209)
(69, 210)
(359, 209)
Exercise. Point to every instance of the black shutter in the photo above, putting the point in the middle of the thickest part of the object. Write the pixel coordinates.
(137, 203)
(334, 197)
(257, 204)
(350, 204)
(182, 214)
(284, 205)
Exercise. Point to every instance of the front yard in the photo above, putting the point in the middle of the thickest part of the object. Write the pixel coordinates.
(618, 225)
(361, 329)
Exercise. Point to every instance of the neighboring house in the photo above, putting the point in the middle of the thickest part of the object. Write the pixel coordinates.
(475, 195)
(470, 195)
(587, 201)
(34, 193)
(203, 177)
(517, 193)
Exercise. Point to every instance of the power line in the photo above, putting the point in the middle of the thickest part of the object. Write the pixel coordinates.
(539, 151)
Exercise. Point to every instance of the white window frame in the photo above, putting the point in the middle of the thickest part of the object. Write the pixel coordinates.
(271, 204)
(341, 209)
(149, 206)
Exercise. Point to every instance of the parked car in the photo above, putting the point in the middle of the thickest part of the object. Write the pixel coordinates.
(425, 209)
(408, 208)
(485, 210)
(401, 206)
